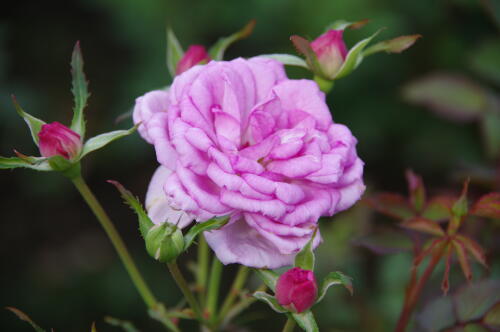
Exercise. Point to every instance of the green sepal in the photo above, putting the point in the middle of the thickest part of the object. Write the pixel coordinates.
(271, 301)
(22, 316)
(214, 223)
(145, 222)
(354, 57)
(174, 52)
(269, 277)
(34, 124)
(68, 168)
(287, 59)
(125, 325)
(305, 258)
(303, 46)
(80, 91)
(306, 321)
(216, 52)
(343, 24)
(102, 140)
(164, 242)
(36, 163)
(334, 278)
(395, 45)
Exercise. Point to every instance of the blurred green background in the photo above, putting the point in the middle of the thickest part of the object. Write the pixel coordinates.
(57, 264)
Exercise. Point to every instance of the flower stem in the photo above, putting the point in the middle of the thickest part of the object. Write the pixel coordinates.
(289, 325)
(213, 288)
(415, 288)
(238, 283)
(202, 268)
(240, 306)
(186, 291)
(119, 245)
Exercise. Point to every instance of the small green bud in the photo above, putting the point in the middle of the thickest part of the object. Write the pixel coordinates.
(164, 242)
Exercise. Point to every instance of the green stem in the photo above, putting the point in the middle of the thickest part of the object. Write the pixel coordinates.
(289, 325)
(186, 291)
(119, 245)
(238, 283)
(213, 288)
(202, 268)
(240, 306)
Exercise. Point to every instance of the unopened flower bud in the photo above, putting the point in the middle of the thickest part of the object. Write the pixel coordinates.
(164, 242)
(331, 52)
(296, 289)
(56, 139)
(196, 54)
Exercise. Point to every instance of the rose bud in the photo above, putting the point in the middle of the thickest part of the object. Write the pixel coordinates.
(56, 139)
(196, 54)
(296, 289)
(164, 242)
(331, 51)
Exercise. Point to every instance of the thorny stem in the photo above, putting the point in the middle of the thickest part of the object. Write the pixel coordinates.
(120, 247)
(415, 288)
(186, 291)
(202, 268)
(238, 283)
(213, 288)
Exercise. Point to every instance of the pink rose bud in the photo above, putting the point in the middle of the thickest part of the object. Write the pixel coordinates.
(57, 139)
(331, 51)
(196, 54)
(296, 289)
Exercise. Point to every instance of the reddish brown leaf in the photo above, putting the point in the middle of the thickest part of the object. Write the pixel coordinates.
(416, 189)
(462, 258)
(445, 284)
(474, 248)
(393, 205)
(488, 206)
(303, 46)
(423, 225)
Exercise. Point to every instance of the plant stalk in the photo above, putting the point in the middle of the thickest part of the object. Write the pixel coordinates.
(119, 245)
(289, 325)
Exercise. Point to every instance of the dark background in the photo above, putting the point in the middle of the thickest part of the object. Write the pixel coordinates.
(56, 263)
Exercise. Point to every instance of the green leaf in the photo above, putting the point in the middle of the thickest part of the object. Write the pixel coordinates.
(214, 223)
(396, 45)
(145, 222)
(305, 258)
(459, 210)
(270, 278)
(306, 321)
(354, 57)
(174, 52)
(342, 25)
(79, 90)
(303, 46)
(125, 325)
(452, 96)
(99, 141)
(22, 316)
(475, 328)
(271, 301)
(216, 52)
(334, 278)
(34, 124)
(36, 163)
(287, 59)
(490, 124)
(474, 301)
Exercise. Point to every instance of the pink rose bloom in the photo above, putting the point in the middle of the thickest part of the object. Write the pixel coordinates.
(296, 289)
(57, 139)
(196, 54)
(239, 138)
(331, 51)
